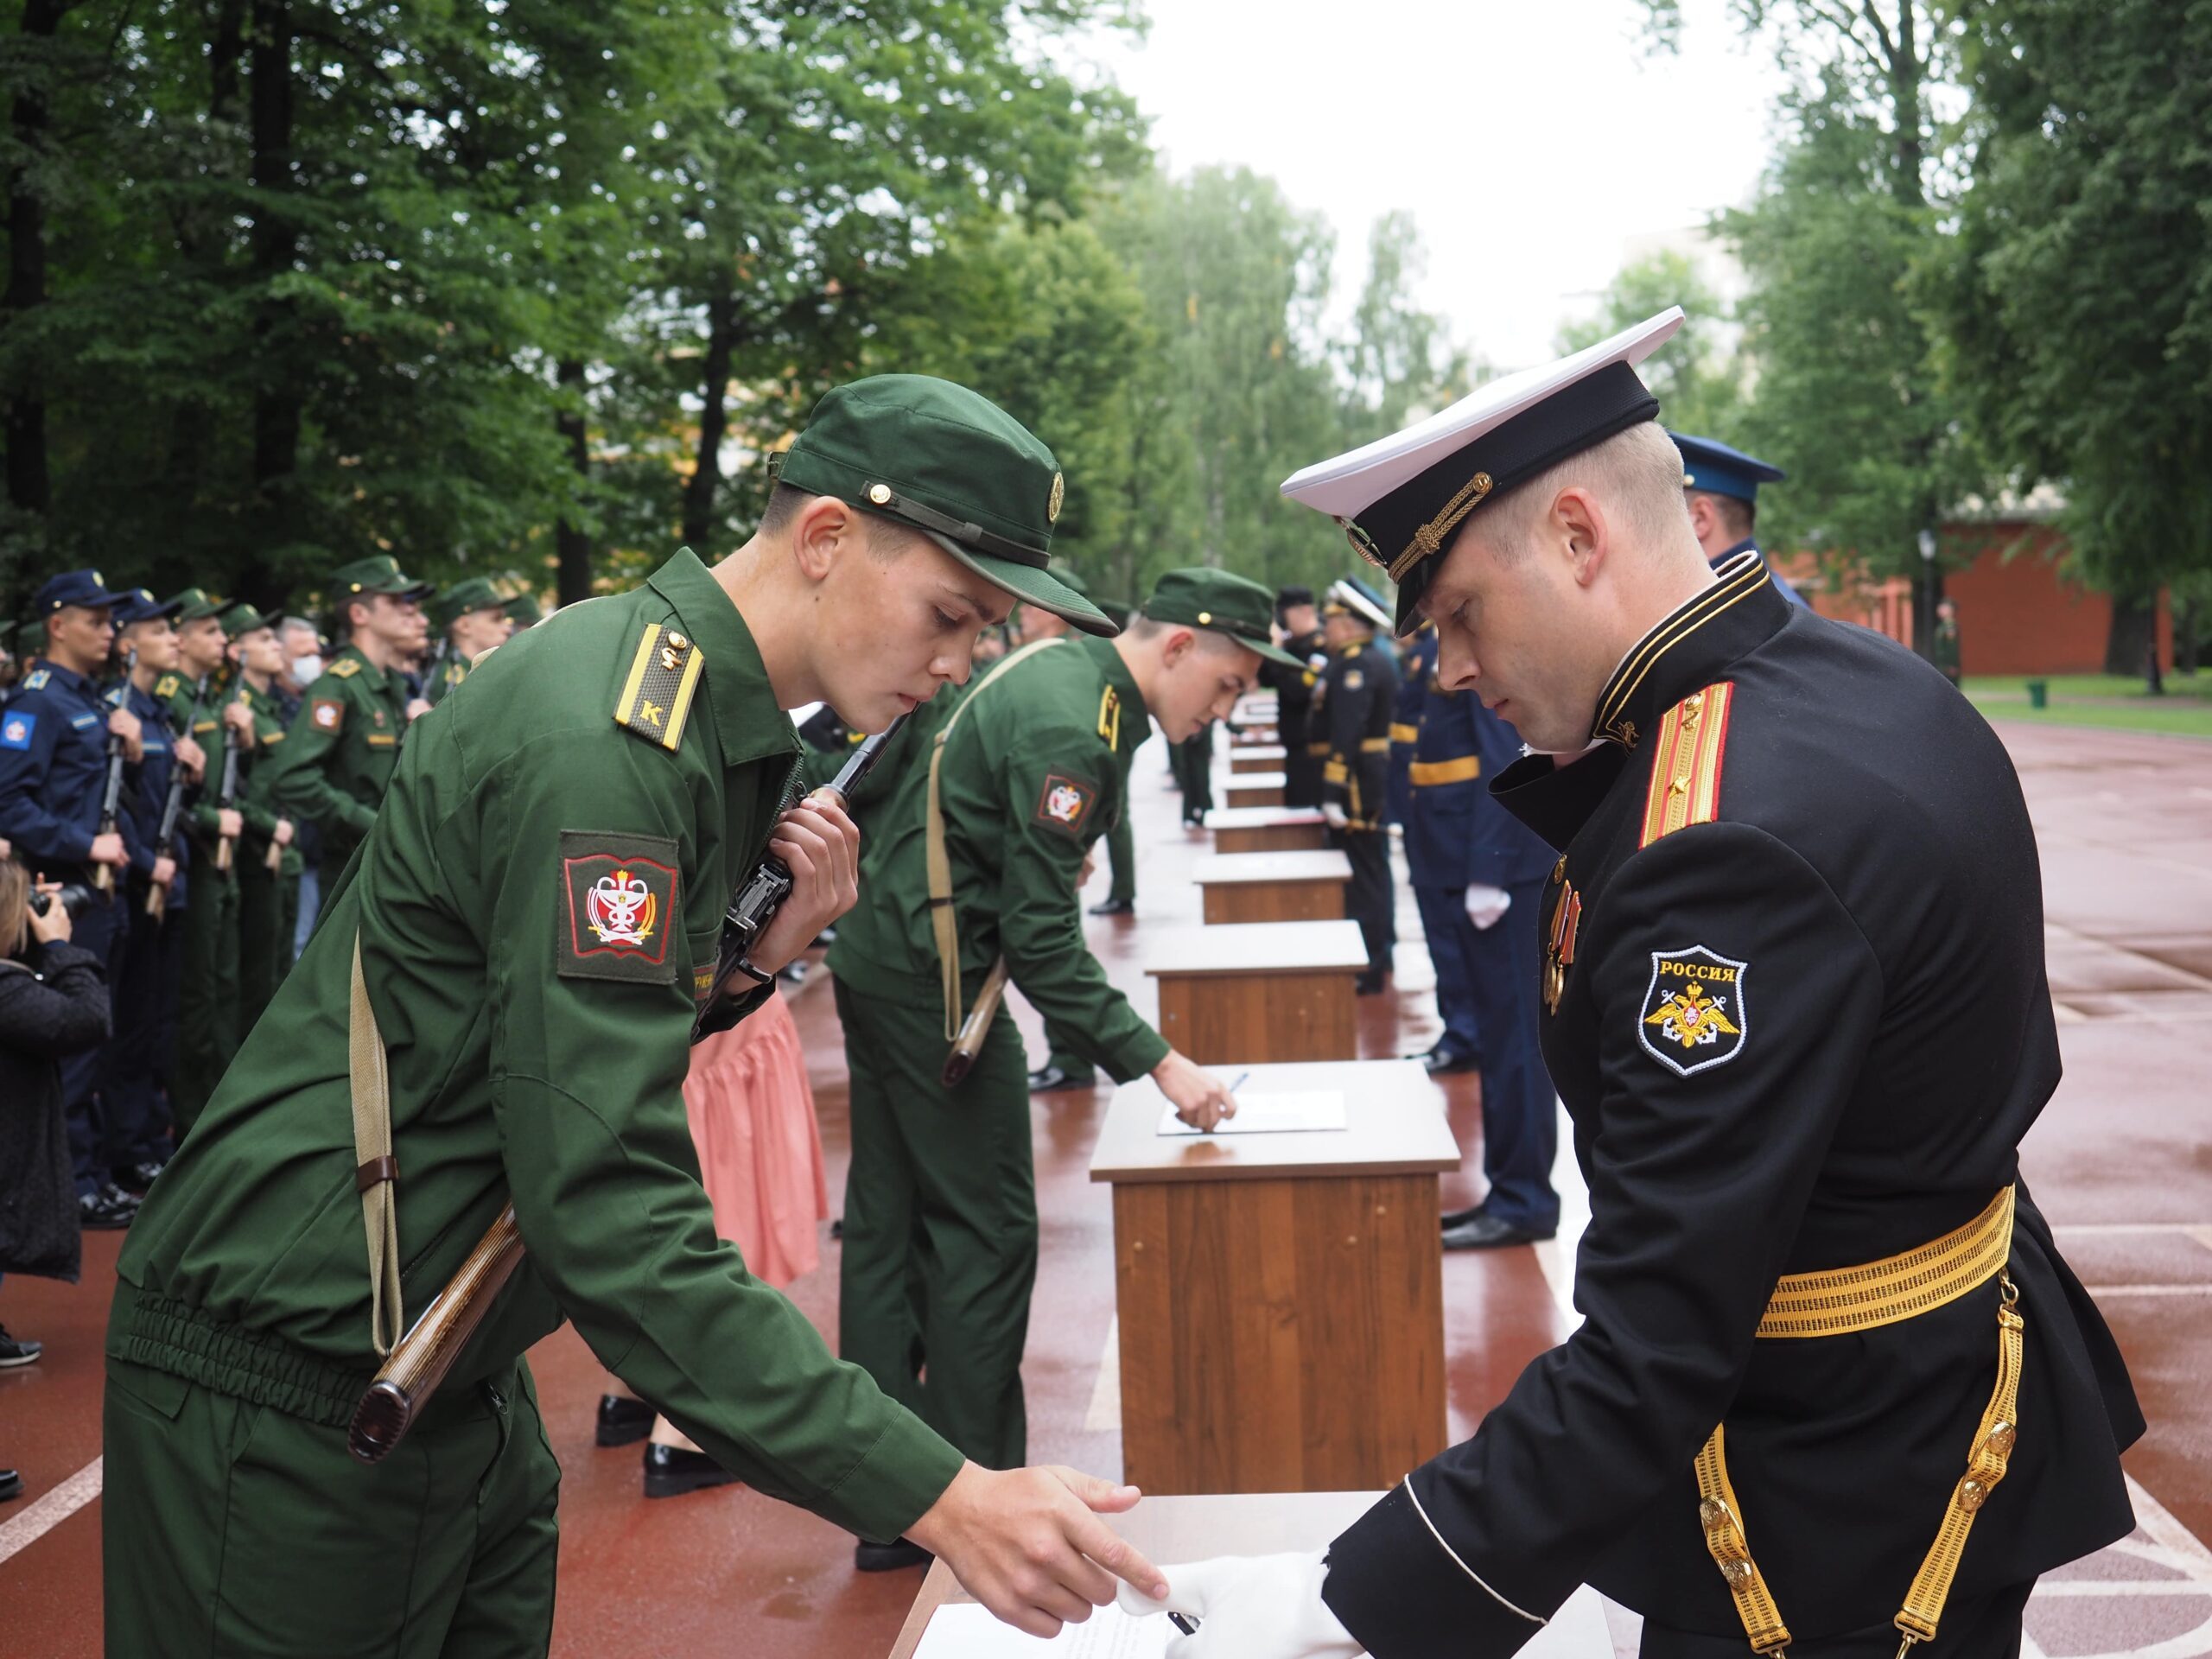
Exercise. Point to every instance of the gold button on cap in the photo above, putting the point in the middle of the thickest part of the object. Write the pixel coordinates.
(879, 493)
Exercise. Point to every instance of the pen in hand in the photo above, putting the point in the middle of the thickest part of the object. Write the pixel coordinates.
(1188, 1626)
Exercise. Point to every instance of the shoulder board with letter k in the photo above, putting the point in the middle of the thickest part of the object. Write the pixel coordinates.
(663, 678)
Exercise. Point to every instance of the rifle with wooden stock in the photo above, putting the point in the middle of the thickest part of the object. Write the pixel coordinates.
(157, 899)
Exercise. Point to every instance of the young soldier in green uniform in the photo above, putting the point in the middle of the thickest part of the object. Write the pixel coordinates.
(208, 984)
(256, 660)
(975, 853)
(517, 957)
(339, 757)
(471, 619)
(1352, 710)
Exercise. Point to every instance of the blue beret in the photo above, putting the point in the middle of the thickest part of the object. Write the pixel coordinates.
(1716, 469)
(82, 588)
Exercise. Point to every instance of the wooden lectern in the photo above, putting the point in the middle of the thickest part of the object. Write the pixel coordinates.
(1273, 887)
(1257, 757)
(1280, 1296)
(1253, 788)
(1267, 829)
(1258, 991)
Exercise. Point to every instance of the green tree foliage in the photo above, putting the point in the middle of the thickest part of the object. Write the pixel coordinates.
(2076, 301)
(1698, 375)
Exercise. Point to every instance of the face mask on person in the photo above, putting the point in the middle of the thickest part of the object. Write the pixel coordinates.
(305, 670)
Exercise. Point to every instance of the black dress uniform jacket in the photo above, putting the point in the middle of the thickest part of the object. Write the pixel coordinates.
(1853, 841)
(1358, 696)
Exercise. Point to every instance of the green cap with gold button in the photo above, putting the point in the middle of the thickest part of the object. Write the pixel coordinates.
(195, 602)
(1222, 601)
(474, 594)
(953, 465)
(242, 618)
(523, 609)
(377, 573)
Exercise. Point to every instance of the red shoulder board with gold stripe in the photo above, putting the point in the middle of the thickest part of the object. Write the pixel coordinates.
(1687, 752)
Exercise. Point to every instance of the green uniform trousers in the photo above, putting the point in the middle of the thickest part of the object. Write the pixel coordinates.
(207, 994)
(940, 1251)
(260, 927)
(1122, 860)
(446, 1548)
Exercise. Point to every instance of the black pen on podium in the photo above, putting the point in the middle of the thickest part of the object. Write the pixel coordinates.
(1188, 1626)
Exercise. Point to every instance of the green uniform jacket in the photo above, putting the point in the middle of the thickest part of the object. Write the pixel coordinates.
(258, 769)
(198, 821)
(444, 677)
(1032, 775)
(339, 755)
(538, 904)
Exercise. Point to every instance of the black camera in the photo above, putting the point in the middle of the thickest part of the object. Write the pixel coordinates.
(75, 899)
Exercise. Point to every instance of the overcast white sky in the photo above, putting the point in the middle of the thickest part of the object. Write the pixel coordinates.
(1529, 140)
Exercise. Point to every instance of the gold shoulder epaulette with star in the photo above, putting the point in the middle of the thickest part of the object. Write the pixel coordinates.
(1686, 755)
(343, 668)
(656, 695)
(165, 687)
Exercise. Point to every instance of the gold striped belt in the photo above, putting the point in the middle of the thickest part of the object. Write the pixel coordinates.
(1845, 1299)
(1401, 732)
(1430, 774)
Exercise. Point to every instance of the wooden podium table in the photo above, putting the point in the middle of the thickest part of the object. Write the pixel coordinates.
(1281, 1296)
(1258, 991)
(1267, 829)
(1273, 886)
(1172, 1530)
(1257, 757)
(1254, 788)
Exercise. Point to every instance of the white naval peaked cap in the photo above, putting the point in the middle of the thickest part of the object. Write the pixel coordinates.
(1401, 497)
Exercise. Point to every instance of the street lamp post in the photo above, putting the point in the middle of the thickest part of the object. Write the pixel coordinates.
(1924, 625)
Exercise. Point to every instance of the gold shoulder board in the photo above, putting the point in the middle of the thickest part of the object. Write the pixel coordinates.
(1110, 718)
(344, 669)
(1686, 755)
(657, 694)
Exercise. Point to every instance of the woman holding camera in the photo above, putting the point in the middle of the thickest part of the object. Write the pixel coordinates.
(52, 1004)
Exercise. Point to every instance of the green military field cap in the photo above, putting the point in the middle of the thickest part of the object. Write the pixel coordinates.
(474, 594)
(523, 608)
(1223, 600)
(378, 574)
(955, 465)
(195, 602)
(242, 618)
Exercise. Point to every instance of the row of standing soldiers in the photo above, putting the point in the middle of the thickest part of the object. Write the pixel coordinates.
(182, 803)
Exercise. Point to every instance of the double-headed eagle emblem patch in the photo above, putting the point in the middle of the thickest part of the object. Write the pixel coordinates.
(1694, 1017)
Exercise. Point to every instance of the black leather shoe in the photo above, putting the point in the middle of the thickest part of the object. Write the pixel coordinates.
(1115, 907)
(139, 1178)
(889, 1558)
(1370, 983)
(1460, 1217)
(1054, 1077)
(671, 1471)
(18, 1350)
(622, 1420)
(1487, 1232)
(1440, 1062)
(11, 1484)
(105, 1211)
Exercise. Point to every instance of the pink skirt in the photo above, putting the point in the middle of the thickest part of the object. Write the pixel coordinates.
(752, 1124)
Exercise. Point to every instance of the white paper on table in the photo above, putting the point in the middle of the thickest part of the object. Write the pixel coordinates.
(964, 1631)
(1282, 1114)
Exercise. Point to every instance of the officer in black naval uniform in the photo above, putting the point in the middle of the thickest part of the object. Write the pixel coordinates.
(1794, 965)
(1353, 706)
(1294, 689)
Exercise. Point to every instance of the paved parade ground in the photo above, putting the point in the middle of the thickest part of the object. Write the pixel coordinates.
(2121, 1163)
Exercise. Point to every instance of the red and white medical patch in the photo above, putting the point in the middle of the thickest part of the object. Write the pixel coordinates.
(1064, 802)
(327, 713)
(618, 897)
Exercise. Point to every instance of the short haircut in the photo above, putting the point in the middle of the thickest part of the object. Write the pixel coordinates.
(886, 538)
(1737, 515)
(1637, 472)
(291, 622)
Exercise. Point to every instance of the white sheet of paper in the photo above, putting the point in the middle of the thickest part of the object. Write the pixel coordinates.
(964, 1631)
(1282, 1114)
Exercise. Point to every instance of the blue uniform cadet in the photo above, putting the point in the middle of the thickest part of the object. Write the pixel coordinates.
(1711, 467)
(1467, 855)
(53, 776)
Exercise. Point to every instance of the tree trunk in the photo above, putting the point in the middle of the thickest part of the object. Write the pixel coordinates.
(1906, 74)
(29, 485)
(275, 246)
(706, 478)
(2134, 626)
(572, 546)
